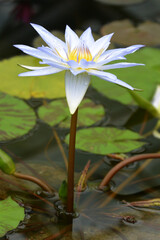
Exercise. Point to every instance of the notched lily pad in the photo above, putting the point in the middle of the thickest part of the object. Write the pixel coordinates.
(11, 215)
(50, 86)
(16, 119)
(100, 140)
(57, 112)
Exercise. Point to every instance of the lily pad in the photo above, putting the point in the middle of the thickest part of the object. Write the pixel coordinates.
(17, 118)
(100, 140)
(142, 77)
(50, 86)
(57, 112)
(11, 215)
(89, 113)
(126, 34)
(54, 112)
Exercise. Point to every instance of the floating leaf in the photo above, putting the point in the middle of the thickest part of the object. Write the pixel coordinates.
(11, 215)
(100, 140)
(50, 86)
(57, 112)
(142, 77)
(89, 113)
(54, 112)
(17, 118)
(6, 163)
(126, 34)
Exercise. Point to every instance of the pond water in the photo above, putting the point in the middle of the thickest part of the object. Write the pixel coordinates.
(99, 214)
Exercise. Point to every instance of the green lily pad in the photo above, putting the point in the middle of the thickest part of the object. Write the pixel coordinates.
(100, 140)
(17, 118)
(89, 113)
(11, 215)
(142, 77)
(50, 86)
(54, 112)
(57, 112)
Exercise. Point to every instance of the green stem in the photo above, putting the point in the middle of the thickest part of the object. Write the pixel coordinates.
(70, 182)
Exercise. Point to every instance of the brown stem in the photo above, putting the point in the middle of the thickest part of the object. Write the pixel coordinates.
(124, 163)
(70, 182)
(43, 185)
(27, 190)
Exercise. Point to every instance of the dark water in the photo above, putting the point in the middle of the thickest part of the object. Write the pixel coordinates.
(99, 215)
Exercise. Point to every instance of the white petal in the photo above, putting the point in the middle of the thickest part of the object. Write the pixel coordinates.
(51, 40)
(72, 40)
(75, 71)
(35, 52)
(50, 52)
(60, 65)
(116, 54)
(108, 54)
(30, 67)
(82, 65)
(76, 87)
(73, 64)
(39, 71)
(110, 78)
(87, 64)
(87, 37)
(120, 65)
(100, 45)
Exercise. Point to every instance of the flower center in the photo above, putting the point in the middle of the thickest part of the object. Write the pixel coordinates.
(79, 53)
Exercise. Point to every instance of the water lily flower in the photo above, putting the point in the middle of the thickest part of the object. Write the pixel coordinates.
(81, 57)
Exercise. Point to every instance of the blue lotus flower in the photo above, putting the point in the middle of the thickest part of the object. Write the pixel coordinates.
(80, 57)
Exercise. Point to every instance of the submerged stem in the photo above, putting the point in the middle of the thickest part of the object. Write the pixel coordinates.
(42, 184)
(72, 141)
(124, 163)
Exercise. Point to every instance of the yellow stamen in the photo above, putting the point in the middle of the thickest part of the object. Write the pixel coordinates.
(80, 53)
(98, 55)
